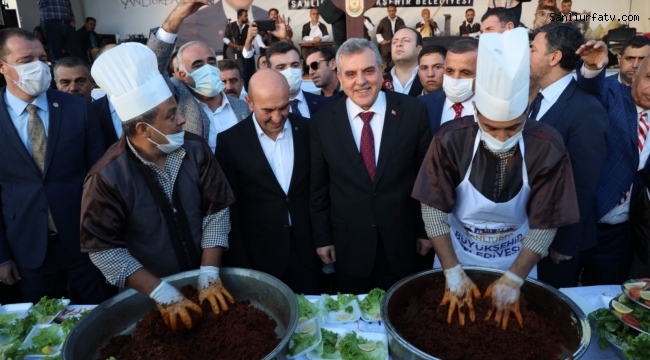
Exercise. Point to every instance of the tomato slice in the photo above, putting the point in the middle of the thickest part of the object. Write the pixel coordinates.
(628, 318)
(634, 293)
(647, 303)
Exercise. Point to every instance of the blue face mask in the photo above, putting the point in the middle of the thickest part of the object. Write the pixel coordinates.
(207, 80)
(175, 141)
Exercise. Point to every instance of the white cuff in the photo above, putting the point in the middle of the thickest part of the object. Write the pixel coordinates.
(512, 276)
(307, 38)
(325, 38)
(226, 41)
(164, 36)
(380, 38)
(165, 294)
(248, 54)
(589, 74)
(207, 275)
(369, 26)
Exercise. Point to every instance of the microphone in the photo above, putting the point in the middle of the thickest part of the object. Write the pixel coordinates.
(388, 84)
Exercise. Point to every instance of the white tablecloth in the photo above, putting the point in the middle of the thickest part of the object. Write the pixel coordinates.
(586, 297)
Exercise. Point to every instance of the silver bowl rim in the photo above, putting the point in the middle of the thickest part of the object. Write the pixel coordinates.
(390, 329)
(291, 327)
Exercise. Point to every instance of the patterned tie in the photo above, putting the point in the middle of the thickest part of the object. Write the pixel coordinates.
(294, 107)
(38, 142)
(458, 108)
(535, 105)
(367, 148)
(641, 136)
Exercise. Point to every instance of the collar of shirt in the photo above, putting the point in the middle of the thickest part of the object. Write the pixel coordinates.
(232, 13)
(467, 104)
(639, 111)
(224, 104)
(262, 134)
(379, 107)
(111, 107)
(301, 98)
(19, 105)
(619, 77)
(553, 91)
(173, 158)
(314, 25)
(396, 83)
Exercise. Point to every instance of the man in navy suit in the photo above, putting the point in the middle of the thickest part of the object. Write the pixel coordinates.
(582, 122)
(285, 58)
(455, 98)
(44, 162)
(627, 153)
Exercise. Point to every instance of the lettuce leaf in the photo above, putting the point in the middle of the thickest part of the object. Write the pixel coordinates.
(635, 345)
(350, 348)
(48, 336)
(372, 303)
(301, 342)
(339, 303)
(307, 308)
(326, 349)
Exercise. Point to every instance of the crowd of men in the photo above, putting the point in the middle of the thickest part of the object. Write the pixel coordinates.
(481, 153)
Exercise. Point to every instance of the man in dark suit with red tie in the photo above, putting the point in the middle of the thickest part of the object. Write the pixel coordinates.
(366, 148)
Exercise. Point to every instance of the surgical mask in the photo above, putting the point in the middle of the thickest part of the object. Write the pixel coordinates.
(175, 141)
(34, 78)
(496, 145)
(207, 80)
(457, 90)
(294, 77)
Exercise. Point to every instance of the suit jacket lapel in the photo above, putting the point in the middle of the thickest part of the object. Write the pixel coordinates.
(416, 87)
(257, 153)
(392, 119)
(297, 133)
(632, 121)
(344, 131)
(53, 102)
(12, 134)
(554, 113)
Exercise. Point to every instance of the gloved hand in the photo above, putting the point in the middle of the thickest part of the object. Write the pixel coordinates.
(505, 299)
(459, 290)
(211, 288)
(171, 303)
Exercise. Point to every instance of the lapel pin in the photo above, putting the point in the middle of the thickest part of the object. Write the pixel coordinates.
(393, 112)
(296, 128)
(55, 104)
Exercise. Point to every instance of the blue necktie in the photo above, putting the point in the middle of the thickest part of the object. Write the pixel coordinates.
(294, 107)
(535, 105)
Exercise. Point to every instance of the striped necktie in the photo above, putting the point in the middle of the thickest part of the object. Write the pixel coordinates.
(642, 134)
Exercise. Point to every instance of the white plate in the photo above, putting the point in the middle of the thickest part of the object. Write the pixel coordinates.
(50, 319)
(20, 309)
(372, 336)
(28, 342)
(356, 313)
(321, 305)
(339, 331)
(316, 331)
(73, 311)
(364, 315)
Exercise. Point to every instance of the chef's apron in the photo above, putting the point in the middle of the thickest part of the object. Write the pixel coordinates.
(485, 233)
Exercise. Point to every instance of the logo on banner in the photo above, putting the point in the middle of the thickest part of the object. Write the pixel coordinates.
(304, 4)
(486, 250)
(354, 8)
(126, 4)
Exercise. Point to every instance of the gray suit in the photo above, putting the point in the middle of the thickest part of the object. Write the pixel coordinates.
(196, 121)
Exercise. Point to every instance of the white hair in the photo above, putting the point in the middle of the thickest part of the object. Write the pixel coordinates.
(179, 55)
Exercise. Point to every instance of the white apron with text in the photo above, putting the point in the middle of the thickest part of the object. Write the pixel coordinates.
(485, 233)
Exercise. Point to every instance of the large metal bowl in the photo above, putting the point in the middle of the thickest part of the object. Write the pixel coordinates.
(542, 298)
(119, 314)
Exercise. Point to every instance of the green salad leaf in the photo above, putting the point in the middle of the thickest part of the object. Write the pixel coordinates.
(307, 308)
(47, 307)
(349, 309)
(48, 336)
(6, 320)
(70, 322)
(350, 348)
(301, 342)
(635, 345)
(327, 347)
(372, 303)
(339, 303)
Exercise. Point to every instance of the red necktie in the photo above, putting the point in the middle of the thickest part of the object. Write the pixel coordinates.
(367, 148)
(642, 134)
(458, 108)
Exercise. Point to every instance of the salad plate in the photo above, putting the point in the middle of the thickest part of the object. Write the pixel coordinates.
(629, 319)
(635, 289)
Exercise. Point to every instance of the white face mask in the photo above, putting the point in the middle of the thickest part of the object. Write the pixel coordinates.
(498, 146)
(207, 80)
(294, 77)
(34, 78)
(457, 90)
(175, 141)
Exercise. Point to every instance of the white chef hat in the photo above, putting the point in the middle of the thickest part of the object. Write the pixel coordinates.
(129, 75)
(503, 74)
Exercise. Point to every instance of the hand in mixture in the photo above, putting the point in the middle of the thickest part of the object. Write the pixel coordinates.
(505, 299)
(211, 288)
(172, 304)
(460, 290)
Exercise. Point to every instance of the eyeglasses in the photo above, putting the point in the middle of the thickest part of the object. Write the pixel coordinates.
(314, 64)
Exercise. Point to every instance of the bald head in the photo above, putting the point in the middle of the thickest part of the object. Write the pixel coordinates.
(268, 99)
(641, 85)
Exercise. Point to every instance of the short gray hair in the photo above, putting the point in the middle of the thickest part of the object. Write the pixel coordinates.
(70, 62)
(147, 117)
(179, 55)
(355, 46)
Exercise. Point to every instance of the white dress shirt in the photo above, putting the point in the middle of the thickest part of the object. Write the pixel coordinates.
(376, 124)
(621, 212)
(241, 27)
(220, 120)
(279, 153)
(406, 88)
(302, 105)
(380, 37)
(315, 32)
(552, 93)
(17, 110)
(256, 45)
(448, 112)
(117, 122)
